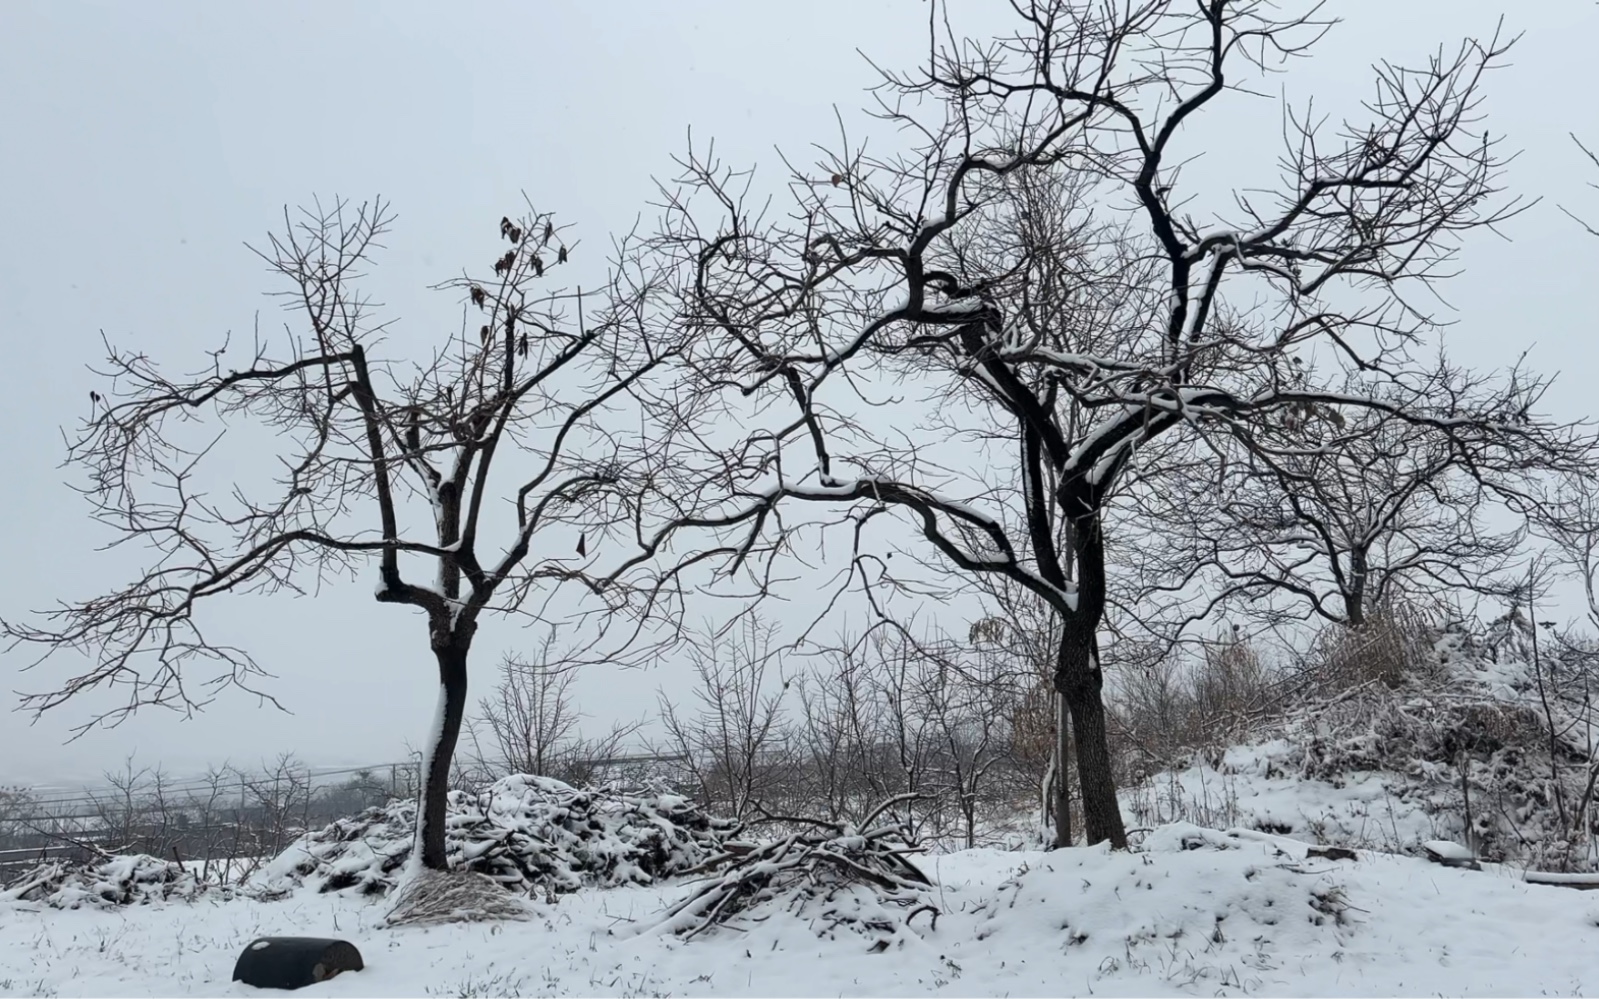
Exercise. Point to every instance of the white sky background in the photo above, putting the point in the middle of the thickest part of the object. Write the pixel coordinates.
(145, 143)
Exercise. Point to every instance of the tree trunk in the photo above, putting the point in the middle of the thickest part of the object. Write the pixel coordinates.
(1046, 797)
(1079, 680)
(1355, 595)
(447, 729)
(1077, 672)
(1063, 785)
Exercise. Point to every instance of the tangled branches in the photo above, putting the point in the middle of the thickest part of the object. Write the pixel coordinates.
(108, 882)
(524, 833)
(829, 873)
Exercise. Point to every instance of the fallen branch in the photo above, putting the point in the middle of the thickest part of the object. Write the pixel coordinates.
(1580, 881)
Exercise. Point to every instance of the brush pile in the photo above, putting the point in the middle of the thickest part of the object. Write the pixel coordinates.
(525, 833)
(829, 875)
(106, 882)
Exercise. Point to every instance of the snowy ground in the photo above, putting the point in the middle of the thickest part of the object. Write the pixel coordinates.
(1258, 787)
(1192, 913)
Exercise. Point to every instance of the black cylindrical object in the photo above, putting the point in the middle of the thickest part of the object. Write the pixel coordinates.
(294, 962)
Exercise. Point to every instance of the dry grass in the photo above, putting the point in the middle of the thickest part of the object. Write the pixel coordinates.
(428, 898)
(1165, 710)
(1395, 643)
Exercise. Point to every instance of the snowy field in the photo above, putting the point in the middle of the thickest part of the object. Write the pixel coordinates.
(1193, 912)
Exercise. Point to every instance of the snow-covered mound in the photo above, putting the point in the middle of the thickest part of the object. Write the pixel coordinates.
(1194, 912)
(525, 832)
(126, 880)
(1227, 914)
(1392, 767)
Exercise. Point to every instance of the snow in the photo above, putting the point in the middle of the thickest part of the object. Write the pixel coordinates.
(1378, 768)
(957, 306)
(1194, 912)
(1263, 786)
(1220, 895)
(1575, 879)
(1445, 849)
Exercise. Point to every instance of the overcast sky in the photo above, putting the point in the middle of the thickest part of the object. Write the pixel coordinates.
(145, 143)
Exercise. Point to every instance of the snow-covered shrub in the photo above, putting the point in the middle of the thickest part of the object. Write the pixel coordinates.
(522, 831)
(111, 881)
(831, 875)
(1391, 766)
(1508, 742)
(1164, 708)
(1395, 644)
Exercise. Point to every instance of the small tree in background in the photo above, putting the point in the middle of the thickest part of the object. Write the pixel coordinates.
(534, 724)
(735, 743)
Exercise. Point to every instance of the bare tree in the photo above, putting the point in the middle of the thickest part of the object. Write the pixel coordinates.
(15, 803)
(18, 810)
(927, 721)
(733, 745)
(492, 469)
(1024, 635)
(1182, 327)
(901, 748)
(535, 726)
(859, 734)
(825, 742)
(1593, 158)
(207, 804)
(279, 795)
(1329, 516)
(1568, 514)
(530, 715)
(1568, 519)
(122, 808)
(968, 705)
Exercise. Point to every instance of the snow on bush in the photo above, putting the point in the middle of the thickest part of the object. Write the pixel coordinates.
(112, 881)
(1393, 766)
(829, 875)
(524, 832)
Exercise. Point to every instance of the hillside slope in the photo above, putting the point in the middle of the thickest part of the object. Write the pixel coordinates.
(1388, 767)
